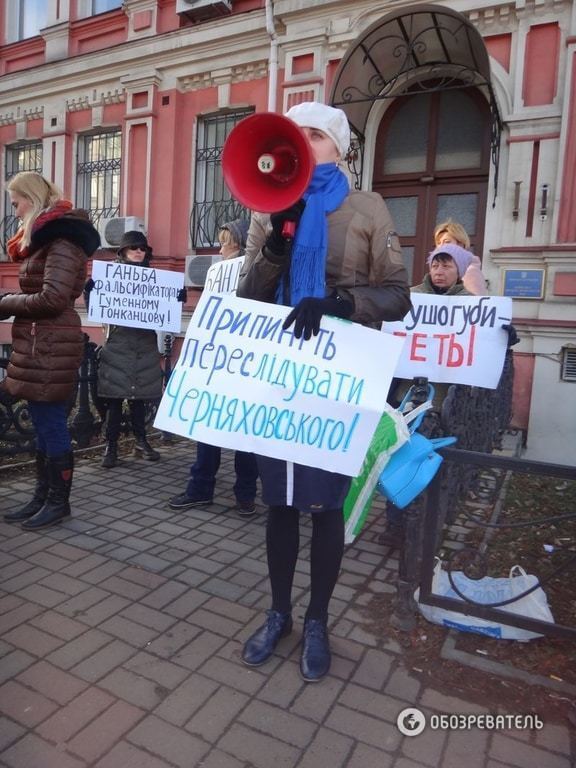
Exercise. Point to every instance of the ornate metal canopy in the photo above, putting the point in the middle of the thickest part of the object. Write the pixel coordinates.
(420, 49)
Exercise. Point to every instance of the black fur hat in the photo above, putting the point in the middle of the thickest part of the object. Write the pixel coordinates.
(134, 239)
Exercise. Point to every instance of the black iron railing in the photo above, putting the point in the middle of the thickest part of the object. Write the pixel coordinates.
(86, 411)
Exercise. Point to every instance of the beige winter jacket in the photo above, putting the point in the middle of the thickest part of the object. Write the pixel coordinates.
(364, 260)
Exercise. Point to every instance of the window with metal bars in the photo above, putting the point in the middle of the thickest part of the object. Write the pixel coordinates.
(98, 166)
(23, 156)
(213, 205)
(568, 371)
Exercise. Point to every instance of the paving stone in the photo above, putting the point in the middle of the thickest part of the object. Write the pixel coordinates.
(129, 631)
(173, 640)
(371, 702)
(76, 607)
(148, 617)
(104, 609)
(75, 716)
(213, 718)
(448, 704)
(426, 748)
(315, 701)
(215, 623)
(279, 724)
(364, 756)
(24, 579)
(374, 669)
(32, 640)
(467, 748)
(79, 649)
(134, 689)
(170, 743)
(39, 593)
(34, 751)
(257, 749)
(52, 682)
(102, 733)
(24, 706)
(554, 737)
(403, 685)
(9, 733)
(182, 607)
(234, 674)
(59, 625)
(66, 584)
(179, 706)
(104, 661)
(364, 728)
(129, 756)
(13, 663)
(218, 759)
(161, 671)
(516, 753)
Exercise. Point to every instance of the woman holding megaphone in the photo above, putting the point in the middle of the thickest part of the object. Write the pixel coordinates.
(344, 260)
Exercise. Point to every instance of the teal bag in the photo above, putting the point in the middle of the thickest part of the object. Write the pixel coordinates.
(415, 464)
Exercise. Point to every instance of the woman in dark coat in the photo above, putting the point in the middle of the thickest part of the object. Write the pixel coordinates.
(129, 366)
(52, 246)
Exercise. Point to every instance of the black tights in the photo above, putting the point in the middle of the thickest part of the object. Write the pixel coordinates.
(114, 418)
(326, 550)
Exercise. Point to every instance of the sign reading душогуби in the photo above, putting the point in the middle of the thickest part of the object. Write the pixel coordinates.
(135, 296)
(454, 339)
(242, 382)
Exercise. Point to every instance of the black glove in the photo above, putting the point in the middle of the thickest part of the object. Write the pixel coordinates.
(88, 288)
(277, 242)
(182, 295)
(513, 337)
(307, 314)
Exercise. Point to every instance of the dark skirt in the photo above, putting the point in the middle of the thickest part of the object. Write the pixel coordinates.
(306, 488)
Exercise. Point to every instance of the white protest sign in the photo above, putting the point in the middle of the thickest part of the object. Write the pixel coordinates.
(139, 297)
(223, 276)
(454, 339)
(242, 382)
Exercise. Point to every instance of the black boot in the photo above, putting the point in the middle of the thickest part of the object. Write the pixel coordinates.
(40, 493)
(110, 454)
(57, 506)
(144, 450)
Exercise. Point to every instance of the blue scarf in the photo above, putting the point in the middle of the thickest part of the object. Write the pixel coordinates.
(326, 192)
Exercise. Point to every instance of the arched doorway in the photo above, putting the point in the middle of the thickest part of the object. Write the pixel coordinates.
(434, 143)
(431, 163)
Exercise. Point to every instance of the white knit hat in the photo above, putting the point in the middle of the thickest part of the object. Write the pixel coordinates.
(333, 121)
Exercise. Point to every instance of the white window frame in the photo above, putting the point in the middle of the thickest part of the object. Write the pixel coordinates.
(14, 10)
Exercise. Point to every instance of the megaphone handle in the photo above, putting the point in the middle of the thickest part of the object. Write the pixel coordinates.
(288, 230)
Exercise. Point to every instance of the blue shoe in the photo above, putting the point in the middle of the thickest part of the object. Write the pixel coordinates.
(315, 659)
(260, 646)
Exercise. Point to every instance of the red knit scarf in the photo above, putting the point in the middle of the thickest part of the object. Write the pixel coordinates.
(14, 246)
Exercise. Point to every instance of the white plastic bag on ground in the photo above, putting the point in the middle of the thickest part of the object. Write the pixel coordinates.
(486, 591)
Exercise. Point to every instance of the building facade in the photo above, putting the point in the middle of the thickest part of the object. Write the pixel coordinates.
(462, 109)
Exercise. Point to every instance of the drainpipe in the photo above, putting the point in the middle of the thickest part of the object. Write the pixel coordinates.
(273, 66)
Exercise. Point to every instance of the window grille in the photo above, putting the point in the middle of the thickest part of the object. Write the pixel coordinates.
(23, 156)
(99, 162)
(568, 364)
(213, 204)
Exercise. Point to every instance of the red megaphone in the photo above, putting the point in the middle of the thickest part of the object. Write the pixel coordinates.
(267, 162)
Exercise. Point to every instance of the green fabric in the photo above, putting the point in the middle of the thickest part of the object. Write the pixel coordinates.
(391, 433)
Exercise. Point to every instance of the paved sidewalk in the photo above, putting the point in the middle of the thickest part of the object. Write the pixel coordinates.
(121, 631)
